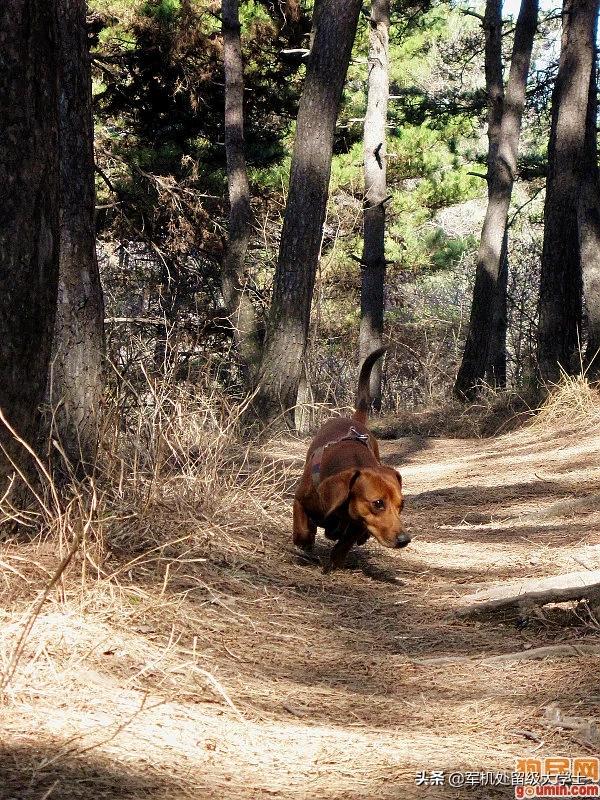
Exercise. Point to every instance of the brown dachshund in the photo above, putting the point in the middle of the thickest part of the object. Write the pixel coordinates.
(345, 488)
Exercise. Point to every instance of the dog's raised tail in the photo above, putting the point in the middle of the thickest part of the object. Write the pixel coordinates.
(363, 393)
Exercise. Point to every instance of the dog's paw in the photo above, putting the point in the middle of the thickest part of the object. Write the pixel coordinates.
(307, 556)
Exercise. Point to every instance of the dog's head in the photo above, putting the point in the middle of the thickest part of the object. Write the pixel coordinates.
(374, 498)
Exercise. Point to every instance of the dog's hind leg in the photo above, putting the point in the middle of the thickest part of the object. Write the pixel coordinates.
(304, 529)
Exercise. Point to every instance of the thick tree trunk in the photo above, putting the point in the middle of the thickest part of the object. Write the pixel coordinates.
(588, 212)
(29, 242)
(495, 375)
(494, 82)
(485, 307)
(560, 279)
(237, 302)
(281, 365)
(75, 386)
(373, 256)
(492, 24)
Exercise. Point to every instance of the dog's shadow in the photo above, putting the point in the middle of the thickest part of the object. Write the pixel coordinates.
(358, 559)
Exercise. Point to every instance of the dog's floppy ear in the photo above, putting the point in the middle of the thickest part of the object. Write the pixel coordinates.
(393, 473)
(334, 491)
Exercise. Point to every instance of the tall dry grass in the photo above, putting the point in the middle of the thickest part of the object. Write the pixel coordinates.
(573, 401)
(177, 476)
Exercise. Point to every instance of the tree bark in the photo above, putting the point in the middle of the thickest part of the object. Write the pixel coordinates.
(281, 365)
(373, 257)
(561, 278)
(485, 308)
(494, 81)
(588, 213)
(29, 240)
(495, 375)
(75, 386)
(239, 307)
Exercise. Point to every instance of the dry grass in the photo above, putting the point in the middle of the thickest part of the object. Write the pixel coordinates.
(573, 401)
(174, 475)
(494, 412)
(187, 651)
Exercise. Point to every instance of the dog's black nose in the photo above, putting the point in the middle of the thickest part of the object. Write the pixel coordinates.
(402, 540)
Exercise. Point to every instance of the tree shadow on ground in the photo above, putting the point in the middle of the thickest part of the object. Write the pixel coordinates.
(479, 495)
(492, 506)
(405, 449)
(33, 771)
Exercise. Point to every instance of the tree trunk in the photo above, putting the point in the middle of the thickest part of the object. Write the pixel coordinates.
(281, 365)
(588, 212)
(496, 369)
(560, 278)
(237, 302)
(75, 387)
(29, 242)
(492, 24)
(494, 82)
(373, 256)
(486, 294)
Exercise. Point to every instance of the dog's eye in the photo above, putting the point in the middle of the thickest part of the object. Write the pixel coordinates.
(378, 505)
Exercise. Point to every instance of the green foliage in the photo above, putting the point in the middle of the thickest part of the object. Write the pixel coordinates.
(253, 13)
(432, 140)
(448, 251)
(158, 87)
(164, 11)
(448, 187)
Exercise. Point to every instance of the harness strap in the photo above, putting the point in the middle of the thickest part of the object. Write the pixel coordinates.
(353, 436)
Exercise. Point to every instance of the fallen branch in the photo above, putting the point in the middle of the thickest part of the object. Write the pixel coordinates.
(295, 51)
(564, 650)
(535, 592)
(585, 727)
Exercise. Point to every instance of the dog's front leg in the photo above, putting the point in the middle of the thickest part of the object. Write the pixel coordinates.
(339, 552)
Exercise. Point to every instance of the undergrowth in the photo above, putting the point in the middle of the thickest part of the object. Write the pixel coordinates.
(176, 472)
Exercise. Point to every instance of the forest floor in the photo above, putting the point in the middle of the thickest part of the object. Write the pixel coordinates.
(235, 669)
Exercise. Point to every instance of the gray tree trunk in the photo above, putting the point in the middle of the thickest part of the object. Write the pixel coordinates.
(492, 25)
(281, 364)
(486, 293)
(561, 279)
(496, 369)
(237, 302)
(29, 239)
(75, 386)
(494, 81)
(373, 256)
(588, 213)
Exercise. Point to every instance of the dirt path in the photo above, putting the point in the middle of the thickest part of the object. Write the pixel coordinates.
(243, 672)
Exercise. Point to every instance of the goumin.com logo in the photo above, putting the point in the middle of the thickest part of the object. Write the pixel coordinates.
(557, 777)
